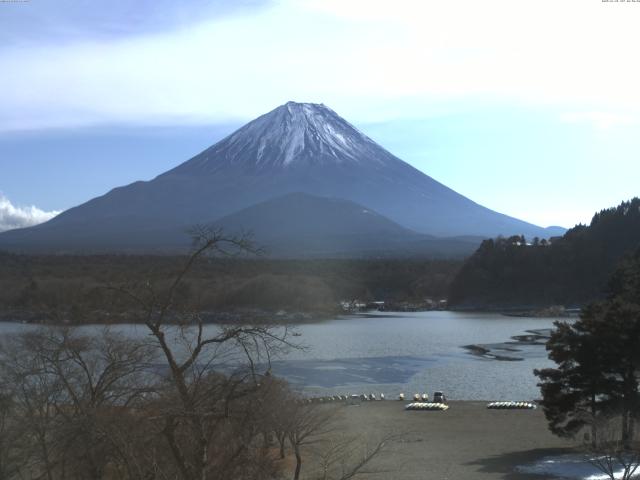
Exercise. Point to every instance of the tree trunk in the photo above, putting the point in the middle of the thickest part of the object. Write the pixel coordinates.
(594, 427)
(296, 449)
(204, 457)
(281, 440)
(47, 462)
(169, 433)
(624, 426)
(628, 405)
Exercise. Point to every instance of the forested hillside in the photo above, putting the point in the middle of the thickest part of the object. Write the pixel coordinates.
(569, 270)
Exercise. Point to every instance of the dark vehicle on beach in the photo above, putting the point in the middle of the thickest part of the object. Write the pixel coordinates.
(438, 397)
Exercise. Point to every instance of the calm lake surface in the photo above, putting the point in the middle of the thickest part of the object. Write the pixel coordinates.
(419, 352)
(407, 352)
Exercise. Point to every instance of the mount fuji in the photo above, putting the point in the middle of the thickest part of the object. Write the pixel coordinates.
(299, 148)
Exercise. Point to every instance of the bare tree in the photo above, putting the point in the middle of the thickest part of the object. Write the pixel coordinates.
(72, 394)
(9, 455)
(206, 413)
(345, 457)
(308, 424)
(35, 396)
(273, 413)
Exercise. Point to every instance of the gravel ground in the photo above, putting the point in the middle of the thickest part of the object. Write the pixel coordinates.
(468, 441)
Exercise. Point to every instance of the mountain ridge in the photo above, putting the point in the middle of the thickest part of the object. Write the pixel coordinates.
(297, 147)
(290, 135)
(302, 225)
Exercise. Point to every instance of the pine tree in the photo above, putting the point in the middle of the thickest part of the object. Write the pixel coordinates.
(598, 361)
(573, 392)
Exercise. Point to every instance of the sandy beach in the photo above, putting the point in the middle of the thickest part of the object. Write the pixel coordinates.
(466, 442)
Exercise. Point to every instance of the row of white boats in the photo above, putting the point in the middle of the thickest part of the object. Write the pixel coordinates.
(420, 401)
(512, 405)
(371, 397)
(426, 406)
(492, 405)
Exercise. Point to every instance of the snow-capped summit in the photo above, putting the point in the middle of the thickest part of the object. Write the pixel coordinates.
(302, 148)
(292, 135)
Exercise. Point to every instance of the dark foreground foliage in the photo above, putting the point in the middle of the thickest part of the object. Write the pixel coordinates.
(570, 270)
(106, 407)
(598, 365)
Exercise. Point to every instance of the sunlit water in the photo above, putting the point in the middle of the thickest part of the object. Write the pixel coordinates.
(405, 352)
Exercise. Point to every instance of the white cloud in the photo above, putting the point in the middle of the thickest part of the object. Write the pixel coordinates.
(12, 216)
(362, 57)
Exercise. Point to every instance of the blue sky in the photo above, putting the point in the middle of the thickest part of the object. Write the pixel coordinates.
(529, 108)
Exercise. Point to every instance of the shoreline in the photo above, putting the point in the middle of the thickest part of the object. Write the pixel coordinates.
(231, 317)
(239, 317)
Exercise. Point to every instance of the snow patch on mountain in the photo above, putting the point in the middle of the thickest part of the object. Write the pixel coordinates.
(292, 135)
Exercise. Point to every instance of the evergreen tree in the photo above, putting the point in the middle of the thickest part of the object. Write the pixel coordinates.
(571, 270)
(573, 392)
(598, 361)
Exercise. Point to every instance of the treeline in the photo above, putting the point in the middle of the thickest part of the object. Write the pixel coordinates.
(570, 270)
(79, 289)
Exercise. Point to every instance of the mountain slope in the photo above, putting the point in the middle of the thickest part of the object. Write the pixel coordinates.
(302, 225)
(303, 214)
(294, 148)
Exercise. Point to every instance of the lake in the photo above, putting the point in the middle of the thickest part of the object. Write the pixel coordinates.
(409, 352)
(418, 352)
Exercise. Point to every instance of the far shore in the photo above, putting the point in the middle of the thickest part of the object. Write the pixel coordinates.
(231, 317)
(548, 311)
(244, 316)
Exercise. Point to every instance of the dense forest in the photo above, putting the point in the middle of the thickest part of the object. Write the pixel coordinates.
(570, 270)
(80, 289)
